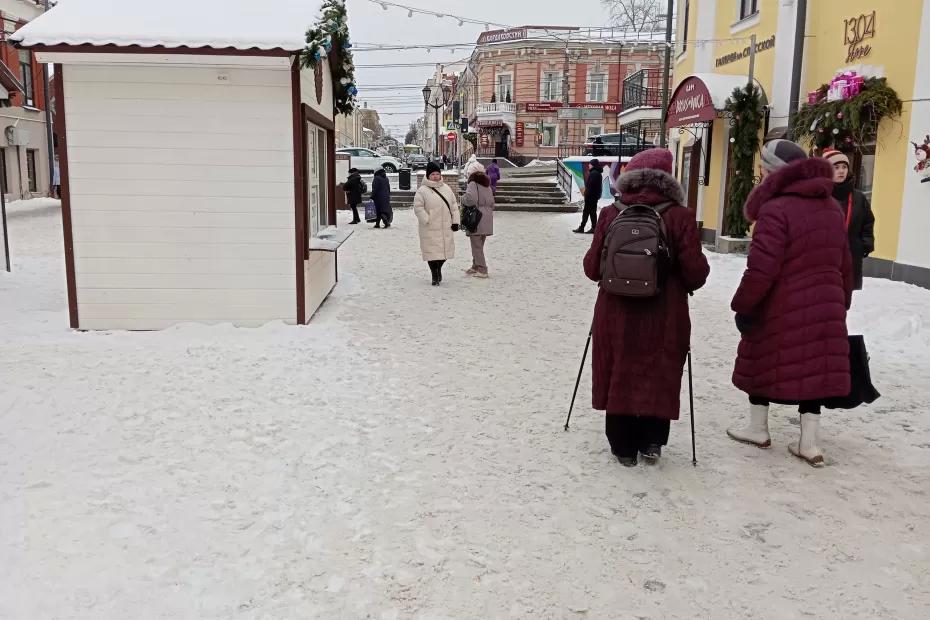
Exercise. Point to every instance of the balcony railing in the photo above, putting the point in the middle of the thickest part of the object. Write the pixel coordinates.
(497, 108)
(643, 89)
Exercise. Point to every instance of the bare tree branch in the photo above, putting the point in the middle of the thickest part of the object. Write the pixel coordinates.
(636, 15)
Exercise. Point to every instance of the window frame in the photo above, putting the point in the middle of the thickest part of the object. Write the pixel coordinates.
(603, 84)
(555, 135)
(752, 5)
(589, 135)
(684, 34)
(502, 95)
(29, 87)
(543, 81)
(32, 170)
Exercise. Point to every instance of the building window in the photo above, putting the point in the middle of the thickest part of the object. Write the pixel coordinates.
(504, 87)
(25, 67)
(31, 170)
(317, 190)
(551, 87)
(748, 8)
(865, 167)
(550, 135)
(594, 130)
(684, 32)
(597, 87)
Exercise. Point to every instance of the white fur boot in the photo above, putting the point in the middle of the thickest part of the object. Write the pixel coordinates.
(757, 433)
(807, 448)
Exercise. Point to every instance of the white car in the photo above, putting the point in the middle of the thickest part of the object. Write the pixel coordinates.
(369, 161)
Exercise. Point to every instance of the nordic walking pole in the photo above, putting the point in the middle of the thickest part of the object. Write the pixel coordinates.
(691, 395)
(578, 382)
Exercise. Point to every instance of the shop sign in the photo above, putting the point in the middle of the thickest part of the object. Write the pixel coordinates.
(531, 125)
(502, 36)
(518, 138)
(691, 104)
(761, 46)
(485, 140)
(855, 31)
(552, 106)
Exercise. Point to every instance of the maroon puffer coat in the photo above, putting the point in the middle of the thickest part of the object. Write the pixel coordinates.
(640, 345)
(796, 289)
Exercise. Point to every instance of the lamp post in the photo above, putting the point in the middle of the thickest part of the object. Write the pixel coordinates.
(431, 100)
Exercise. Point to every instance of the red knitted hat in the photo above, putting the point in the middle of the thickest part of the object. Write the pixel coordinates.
(655, 159)
(835, 157)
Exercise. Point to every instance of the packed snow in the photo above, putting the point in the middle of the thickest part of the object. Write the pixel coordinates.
(403, 457)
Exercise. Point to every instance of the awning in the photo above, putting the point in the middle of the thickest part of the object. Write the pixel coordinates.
(489, 124)
(699, 97)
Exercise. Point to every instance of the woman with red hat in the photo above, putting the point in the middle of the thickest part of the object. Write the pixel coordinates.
(640, 344)
(860, 222)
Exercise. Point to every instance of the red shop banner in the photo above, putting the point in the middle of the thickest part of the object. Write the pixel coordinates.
(518, 138)
(485, 140)
(552, 106)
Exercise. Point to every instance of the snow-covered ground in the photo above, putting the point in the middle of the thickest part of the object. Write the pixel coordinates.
(403, 457)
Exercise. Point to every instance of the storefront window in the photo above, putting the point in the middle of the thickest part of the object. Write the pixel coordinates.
(317, 199)
(550, 135)
(594, 130)
(864, 163)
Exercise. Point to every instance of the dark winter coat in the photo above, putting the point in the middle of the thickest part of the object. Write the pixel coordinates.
(353, 188)
(861, 230)
(796, 289)
(381, 194)
(593, 186)
(479, 194)
(640, 345)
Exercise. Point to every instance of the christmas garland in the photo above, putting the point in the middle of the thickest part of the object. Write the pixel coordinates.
(846, 123)
(329, 39)
(745, 109)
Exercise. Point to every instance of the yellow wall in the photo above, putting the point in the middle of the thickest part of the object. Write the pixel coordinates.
(894, 50)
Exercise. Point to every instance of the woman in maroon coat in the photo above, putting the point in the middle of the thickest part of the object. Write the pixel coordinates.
(791, 304)
(640, 345)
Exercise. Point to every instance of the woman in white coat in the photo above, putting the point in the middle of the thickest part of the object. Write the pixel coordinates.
(437, 210)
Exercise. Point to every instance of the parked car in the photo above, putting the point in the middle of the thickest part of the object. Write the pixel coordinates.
(369, 161)
(417, 161)
(616, 145)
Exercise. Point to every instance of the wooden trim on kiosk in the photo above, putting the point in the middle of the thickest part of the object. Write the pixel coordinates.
(86, 48)
(300, 240)
(66, 221)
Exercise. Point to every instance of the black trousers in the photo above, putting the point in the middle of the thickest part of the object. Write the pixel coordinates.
(589, 212)
(628, 435)
(435, 267)
(805, 406)
(355, 217)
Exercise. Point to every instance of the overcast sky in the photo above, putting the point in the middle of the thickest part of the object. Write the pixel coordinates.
(369, 23)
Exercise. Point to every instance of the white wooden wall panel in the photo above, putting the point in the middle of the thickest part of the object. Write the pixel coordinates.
(320, 276)
(182, 195)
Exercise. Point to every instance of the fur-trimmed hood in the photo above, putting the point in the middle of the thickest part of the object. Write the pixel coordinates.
(805, 178)
(480, 178)
(649, 186)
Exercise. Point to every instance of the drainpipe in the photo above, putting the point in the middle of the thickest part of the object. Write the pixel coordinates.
(666, 75)
(48, 125)
(797, 65)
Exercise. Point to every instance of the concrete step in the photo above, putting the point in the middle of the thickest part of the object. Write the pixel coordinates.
(537, 208)
(530, 200)
(527, 192)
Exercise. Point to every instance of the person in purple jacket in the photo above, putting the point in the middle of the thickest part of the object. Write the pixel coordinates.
(494, 173)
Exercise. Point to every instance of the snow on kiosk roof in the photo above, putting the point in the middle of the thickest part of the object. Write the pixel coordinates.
(214, 24)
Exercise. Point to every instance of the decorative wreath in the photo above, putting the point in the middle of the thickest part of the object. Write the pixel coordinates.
(329, 39)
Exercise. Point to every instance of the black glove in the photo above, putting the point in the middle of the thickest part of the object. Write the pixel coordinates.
(744, 323)
(455, 228)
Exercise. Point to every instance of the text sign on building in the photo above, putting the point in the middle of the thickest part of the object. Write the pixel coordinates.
(518, 138)
(552, 106)
(502, 36)
(855, 31)
(761, 46)
(691, 104)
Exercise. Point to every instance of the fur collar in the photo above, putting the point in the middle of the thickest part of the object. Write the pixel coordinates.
(806, 178)
(650, 181)
(480, 178)
(434, 184)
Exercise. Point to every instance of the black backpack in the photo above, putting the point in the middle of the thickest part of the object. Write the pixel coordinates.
(636, 256)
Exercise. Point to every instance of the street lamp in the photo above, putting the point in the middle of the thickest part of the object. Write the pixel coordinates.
(432, 101)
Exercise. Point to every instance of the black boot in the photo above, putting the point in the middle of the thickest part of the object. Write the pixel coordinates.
(627, 461)
(652, 453)
(433, 270)
(579, 230)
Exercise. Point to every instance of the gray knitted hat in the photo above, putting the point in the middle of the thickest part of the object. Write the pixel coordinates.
(778, 153)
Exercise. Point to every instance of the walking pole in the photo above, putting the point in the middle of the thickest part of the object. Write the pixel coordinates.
(691, 395)
(578, 381)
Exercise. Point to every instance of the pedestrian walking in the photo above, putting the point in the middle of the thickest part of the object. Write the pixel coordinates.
(641, 344)
(494, 173)
(791, 304)
(860, 221)
(355, 188)
(56, 179)
(437, 211)
(478, 193)
(593, 187)
(381, 195)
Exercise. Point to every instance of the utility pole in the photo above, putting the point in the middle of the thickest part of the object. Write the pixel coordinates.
(752, 59)
(49, 136)
(667, 75)
(800, 28)
(566, 94)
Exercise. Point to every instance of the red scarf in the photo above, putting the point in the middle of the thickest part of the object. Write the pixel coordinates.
(849, 211)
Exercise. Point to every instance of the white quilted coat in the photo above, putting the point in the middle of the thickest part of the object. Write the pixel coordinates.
(437, 241)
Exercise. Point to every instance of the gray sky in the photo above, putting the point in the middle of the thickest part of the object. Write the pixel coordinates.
(369, 23)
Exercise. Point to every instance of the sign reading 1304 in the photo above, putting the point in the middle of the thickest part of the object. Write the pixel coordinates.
(857, 30)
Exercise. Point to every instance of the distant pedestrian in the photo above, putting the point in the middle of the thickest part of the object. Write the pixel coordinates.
(593, 188)
(56, 179)
(381, 195)
(437, 211)
(445, 162)
(860, 221)
(791, 304)
(471, 165)
(479, 194)
(355, 189)
(494, 173)
(641, 343)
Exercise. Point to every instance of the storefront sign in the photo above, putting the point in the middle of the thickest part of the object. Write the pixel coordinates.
(518, 138)
(855, 31)
(530, 125)
(501, 36)
(691, 104)
(489, 124)
(761, 46)
(552, 106)
(485, 140)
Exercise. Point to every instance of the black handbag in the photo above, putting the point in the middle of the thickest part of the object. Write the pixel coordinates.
(471, 217)
(861, 392)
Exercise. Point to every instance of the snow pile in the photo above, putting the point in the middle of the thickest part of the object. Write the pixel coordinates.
(537, 163)
(403, 457)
